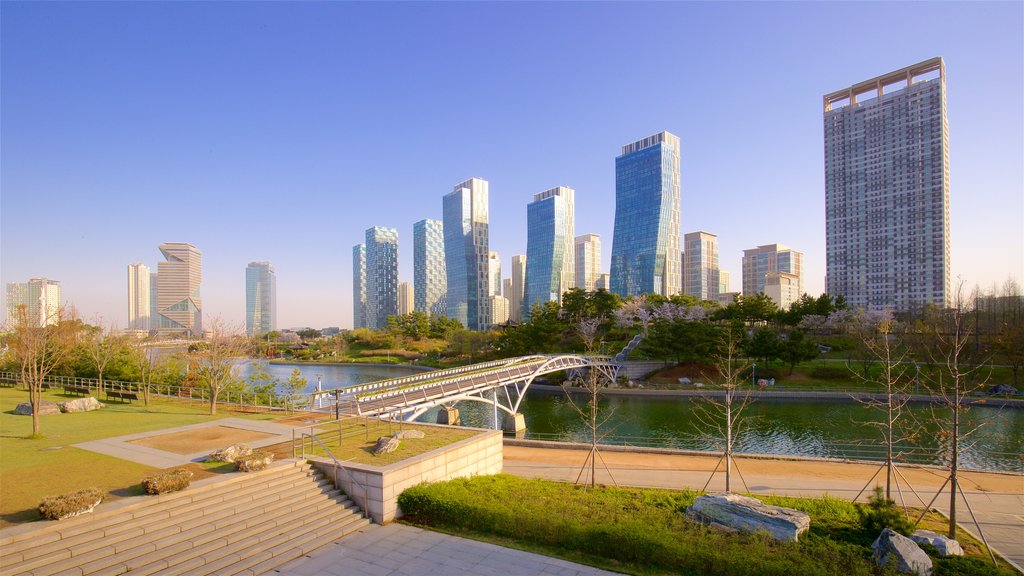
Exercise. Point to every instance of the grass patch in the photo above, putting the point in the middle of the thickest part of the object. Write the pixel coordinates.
(638, 530)
(359, 436)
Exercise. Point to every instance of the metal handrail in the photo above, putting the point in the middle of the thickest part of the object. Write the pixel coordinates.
(337, 464)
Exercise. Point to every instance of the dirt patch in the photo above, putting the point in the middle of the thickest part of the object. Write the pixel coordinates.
(208, 438)
(305, 419)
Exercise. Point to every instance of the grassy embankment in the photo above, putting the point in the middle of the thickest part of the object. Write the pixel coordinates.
(643, 531)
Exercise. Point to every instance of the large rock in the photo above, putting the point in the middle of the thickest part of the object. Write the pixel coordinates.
(945, 546)
(45, 408)
(87, 404)
(1002, 390)
(749, 515)
(894, 549)
(386, 445)
(403, 434)
(230, 453)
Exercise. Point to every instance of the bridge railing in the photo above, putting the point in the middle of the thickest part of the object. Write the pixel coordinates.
(521, 370)
(433, 374)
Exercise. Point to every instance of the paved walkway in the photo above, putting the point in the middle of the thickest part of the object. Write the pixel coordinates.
(400, 550)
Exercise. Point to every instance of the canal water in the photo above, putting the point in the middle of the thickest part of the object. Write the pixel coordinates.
(805, 427)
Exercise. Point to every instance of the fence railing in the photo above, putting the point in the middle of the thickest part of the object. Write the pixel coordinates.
(337, 466)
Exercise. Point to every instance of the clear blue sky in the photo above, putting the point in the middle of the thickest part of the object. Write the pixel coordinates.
(266, 131)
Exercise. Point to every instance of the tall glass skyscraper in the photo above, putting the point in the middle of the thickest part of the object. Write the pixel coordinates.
(260, 298)
(430, 282)
(550, 265)
(466, 252)
(645, 244)
(887, 190)
(179, 305)
(517, 287)
(381, 276)
(359, 286)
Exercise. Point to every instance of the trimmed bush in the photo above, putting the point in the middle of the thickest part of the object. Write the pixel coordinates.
(71, 504)
(255, 460)
(169, 481)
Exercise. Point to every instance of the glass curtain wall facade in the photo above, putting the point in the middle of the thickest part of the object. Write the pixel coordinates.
(466, 254)
(359, 286)
(494, 274)
(549, 247)
(260, 298)
(430, 281)
(178, 301)
(381, 276)
(887, 190)
(700, 274)
(645, 243)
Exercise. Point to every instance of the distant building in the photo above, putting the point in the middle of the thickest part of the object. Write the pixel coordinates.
(260, 298)
(405, 298)
(466, 252)
(726, 298)
(550, 265)
(41, 299)
(887, 190)
(430, 282)
(179, 304)
(604, 282)
(700, 271)
(783, 288)
(763, 260)
(723, 281)
(381, 276)
(588, 261)
(518, 286)
(499, 309)
(139, 291)
(330, 331)
(359, 286)
(494, 273)
(645, 243)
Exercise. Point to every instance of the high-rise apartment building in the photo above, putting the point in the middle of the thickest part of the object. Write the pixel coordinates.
(179, 304)
(466, 253)
(381, 276)
(430, 281)
(139, 305)
(588, 261)
(723, 282)
(359, 286)
(645, 244)
(604, 282)
(260, 298)
(770, 258)
(494, 273)
(887, 189)
(405, 298)
(499, 309)
(550, 265)
(40, 298)
(700, 268)
(518, 287)
(783, 288)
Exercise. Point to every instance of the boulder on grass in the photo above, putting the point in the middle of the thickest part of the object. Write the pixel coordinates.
(403, 434)
(945, 546)
(230, 454)
(257, 460)
(386, 445)
(45, 408)
(749, 515)
(894, 549)
(86, 404)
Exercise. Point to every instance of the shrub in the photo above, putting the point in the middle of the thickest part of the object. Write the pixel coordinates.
(881, 513)
(255, 460)
(964, 566)
(169, 481)
(71, 504)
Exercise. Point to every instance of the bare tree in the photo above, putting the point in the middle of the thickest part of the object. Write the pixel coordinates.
(214, 360)
(40, 349)
(145, 359)
(102, 346)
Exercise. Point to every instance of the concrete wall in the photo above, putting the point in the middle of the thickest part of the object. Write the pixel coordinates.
(480, 454)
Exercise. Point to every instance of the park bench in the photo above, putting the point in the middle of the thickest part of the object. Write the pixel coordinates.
(123, 395)
(77, 390)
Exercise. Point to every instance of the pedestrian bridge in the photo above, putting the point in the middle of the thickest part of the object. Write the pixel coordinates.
(500, 383)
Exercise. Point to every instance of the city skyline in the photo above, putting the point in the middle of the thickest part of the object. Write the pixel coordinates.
(250, 135)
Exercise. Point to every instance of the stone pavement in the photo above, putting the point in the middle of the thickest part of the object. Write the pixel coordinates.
(399, 550)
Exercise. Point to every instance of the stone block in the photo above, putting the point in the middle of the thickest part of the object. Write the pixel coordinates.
(749, 515)
(403, 434)
(945, 546)
(894, 549)
(386, 445)
(46, 408)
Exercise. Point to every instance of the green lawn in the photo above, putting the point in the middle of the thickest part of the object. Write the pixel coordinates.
(359, 437)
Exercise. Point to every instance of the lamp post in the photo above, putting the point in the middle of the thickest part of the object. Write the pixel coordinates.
(753, 372)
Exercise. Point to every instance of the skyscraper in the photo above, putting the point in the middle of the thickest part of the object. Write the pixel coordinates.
(179, 304)
(518, 287)
(645, 243)
(494, 273)
(260, 298)
(549, 245)
(770, 258)
(700, 274)
(466, 252)
(588, 261)
(887, 189)
(405, 298)
(139, 305)
(429, 279)
(359, 286)
(41, 299)
(381, 276)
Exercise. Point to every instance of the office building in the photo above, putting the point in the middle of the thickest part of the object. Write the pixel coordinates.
(588, 261)
(260, 298)
(723, 282)
(139, 304)
(700, 268)
(550, 265)
(359, 286)
(604, 282)
(40, 298)
(494, 273)
(768, 259)
(645, 244)
(499, 309)
(381, 276)
(466, 253)
(179, 303)
(783, 288)
(430, 281)
(887, 190)
(518, 286)
(405, 298)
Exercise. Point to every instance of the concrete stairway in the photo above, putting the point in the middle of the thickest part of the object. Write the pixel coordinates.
(630, 346)
(242, 524)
